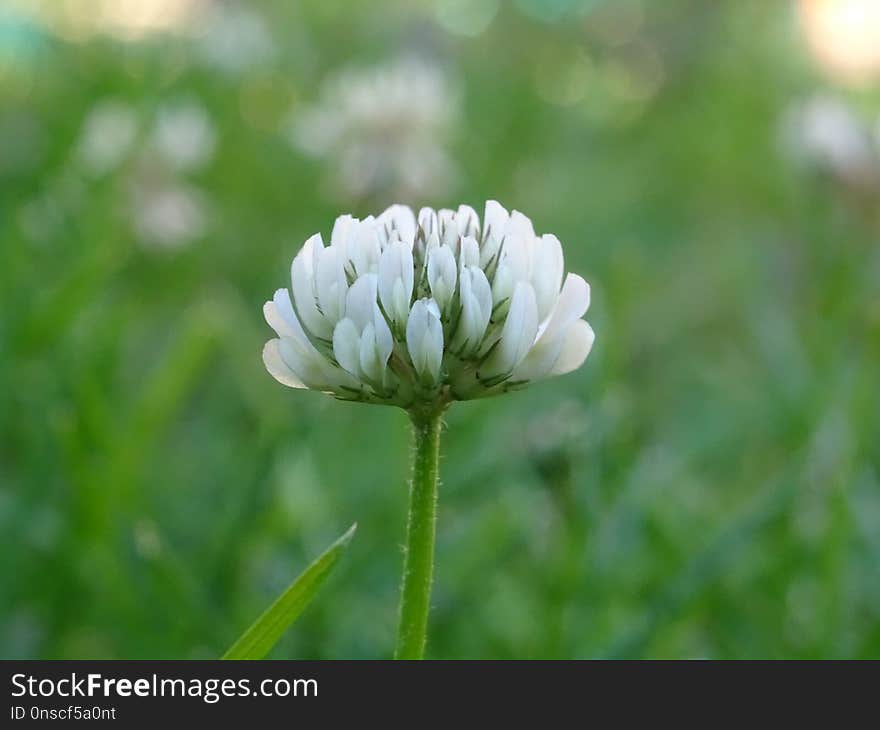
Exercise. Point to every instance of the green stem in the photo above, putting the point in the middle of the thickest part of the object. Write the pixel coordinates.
(418, 562)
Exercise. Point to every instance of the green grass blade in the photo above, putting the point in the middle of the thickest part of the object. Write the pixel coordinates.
(264, 633)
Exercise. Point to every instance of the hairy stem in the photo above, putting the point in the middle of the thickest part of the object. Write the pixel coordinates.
(418, 562)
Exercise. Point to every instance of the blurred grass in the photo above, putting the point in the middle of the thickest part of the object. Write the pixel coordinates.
(706, 486)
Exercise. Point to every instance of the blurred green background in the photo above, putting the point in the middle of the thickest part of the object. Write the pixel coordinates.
(707, 485)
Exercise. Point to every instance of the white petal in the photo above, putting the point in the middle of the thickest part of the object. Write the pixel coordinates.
(341, 231)
(277, 367)
(572, 304)
(298, 354)
(433, 242)
(396, 281)
(416, 324)
(540, 360)
(364, 247)
(463, 338)
(546, 268)
(277, 316)
(442, 274)
(302, 277)
(401, 219)
(346, 346)
(361, 301)
(424, 339)
(482, 291)
(331, 284)
(494, 227)
(428, 221)
(518, 334)
(448, 228)
(367, 343)
(446, 219)
(570, 307)
(476, 308)
(281, 317)
(400, 299)
(370, 364)
(383, 337)
(495, 220)
(520, 225)
(307, 364)
(468, 221)
(513, 267)
(578, 342)
(470, 252)
(432, 307)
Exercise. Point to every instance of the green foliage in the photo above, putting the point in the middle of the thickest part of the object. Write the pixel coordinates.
(263, 634)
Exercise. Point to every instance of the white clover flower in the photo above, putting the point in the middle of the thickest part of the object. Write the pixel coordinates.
(419, 311)
(382, 130)
(184, 135)
(168, 217)
(107, 137)
(826, 132)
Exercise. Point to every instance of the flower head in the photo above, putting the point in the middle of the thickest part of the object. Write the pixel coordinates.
(382, 130)
(107, 136)
(827, 133)
(417, 311)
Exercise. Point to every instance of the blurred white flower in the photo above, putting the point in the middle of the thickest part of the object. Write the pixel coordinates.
(184, 135)
(234, 38)
(824, 131)
(383, 130)
(107, 136)
(163, 209)
(168, 217)
(416, 311)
